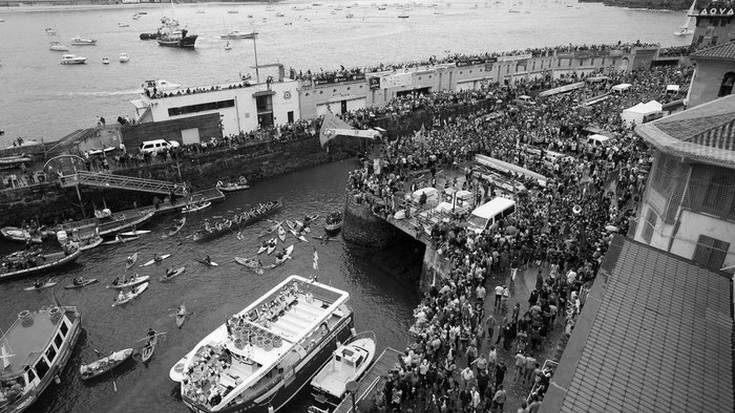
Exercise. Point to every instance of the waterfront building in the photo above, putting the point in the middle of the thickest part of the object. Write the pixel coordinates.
(714, 74)
(715, 23)
(243, 106)
(688, 208)
(654, 336)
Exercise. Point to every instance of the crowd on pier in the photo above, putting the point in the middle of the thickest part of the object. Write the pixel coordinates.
(463, 350)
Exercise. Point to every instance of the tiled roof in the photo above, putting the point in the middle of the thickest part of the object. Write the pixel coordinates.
(705, 133)
(724, 51)
(654, 336)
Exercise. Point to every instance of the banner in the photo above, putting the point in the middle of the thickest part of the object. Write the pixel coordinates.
(374, 83)
(334, 126)
(397, 80)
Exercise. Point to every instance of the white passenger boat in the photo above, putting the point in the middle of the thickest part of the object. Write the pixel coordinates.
(81, 41)
(58, 47)
(70, 59)
(349, 362)
(33, 352)
(265, 354)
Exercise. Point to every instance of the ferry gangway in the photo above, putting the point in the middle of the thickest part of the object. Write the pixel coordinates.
(106, 180)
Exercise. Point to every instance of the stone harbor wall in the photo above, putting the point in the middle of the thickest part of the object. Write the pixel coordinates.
(362, 227)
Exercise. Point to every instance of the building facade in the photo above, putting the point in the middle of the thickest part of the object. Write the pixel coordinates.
(714, 73)
(688, 208)
(715, 23)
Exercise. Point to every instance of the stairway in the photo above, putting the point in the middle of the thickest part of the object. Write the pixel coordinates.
(103, 180)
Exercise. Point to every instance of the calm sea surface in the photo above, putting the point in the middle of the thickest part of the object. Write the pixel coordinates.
(41, 99)
(380, 301)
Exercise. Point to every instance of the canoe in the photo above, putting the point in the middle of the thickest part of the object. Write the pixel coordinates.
(147, 351)
(176, 229)
(232, 187)
(20, 235)
(82, 285)
(135, 292)
(195, 207)
(262, 249)
(281, 233)
(175, 274)
(250, 263)
(134, 233)
(120, 240)
(298, 236)
(47, 284)
(205, 262)
(131, 261)
(52, 261)
(153, 261)
(105, 364)
(181, 316)
(132, 283)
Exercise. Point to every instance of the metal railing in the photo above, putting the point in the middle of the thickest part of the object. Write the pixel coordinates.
(104, 180)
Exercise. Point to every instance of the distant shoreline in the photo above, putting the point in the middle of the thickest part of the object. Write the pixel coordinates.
(25, 8)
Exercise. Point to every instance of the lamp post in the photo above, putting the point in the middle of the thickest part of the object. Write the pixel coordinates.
(351, 387)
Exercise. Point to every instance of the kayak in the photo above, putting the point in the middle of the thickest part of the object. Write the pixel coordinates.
(119, 240)
(147, 351)
(195, 207)
(286, 257)
(173, 275)
(180, 224)
(82, 285)
(281, 233)
(181, 316)
(250, 263)
(104, 364)
(298, 236)
(263, 248)
(134, 233)
(47, 284)
(131, 261)
(136, 291)
(205, 262)
(153, 261)
(132, 283)
(272, 246)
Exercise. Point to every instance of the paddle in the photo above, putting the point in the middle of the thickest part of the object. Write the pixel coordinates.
(155, 335)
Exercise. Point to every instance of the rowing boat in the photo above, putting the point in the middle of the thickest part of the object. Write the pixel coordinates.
(82, 285)
(251, 263)
(20, 235)
(105, 364)
(174, 274)
(138, 279)
(52, 261)
(147, 351)
(155, 260)
(237, 221)
(205, 262)
(131, 261)
(176, 228)
(48, 284)
(132, 294)
(195, 207)
(271, 246)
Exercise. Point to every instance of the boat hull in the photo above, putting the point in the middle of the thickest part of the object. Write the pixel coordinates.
(310, 366)
(50, 267)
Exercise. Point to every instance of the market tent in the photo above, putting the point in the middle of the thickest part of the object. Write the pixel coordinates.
(638, 114)
(672, 89)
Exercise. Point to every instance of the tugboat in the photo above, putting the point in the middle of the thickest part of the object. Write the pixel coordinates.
(177, 38)
(33, 353)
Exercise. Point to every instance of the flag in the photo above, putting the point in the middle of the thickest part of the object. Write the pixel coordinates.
(316, 261)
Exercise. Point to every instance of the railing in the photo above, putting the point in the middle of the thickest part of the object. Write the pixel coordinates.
(120, 182)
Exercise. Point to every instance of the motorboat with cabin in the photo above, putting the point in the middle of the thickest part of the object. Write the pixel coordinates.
(70, 59)
(34, 352)
(81, 41)
(265, 354)
(105, 60)
(124, 58)
(58, 47)
(177, 38)
(349, 362)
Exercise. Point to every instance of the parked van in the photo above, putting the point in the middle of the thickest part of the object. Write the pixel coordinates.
(157, 145)
(486, 215)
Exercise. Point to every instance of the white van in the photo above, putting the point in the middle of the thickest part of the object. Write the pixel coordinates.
(486, 215)
(157, 145)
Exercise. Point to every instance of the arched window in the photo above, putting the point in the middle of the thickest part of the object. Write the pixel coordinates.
(727, 83)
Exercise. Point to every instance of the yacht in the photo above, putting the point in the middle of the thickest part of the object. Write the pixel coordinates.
(81, 41)
(33, 352)
(349, 362)
(58, 47)
(265, 354)
(238, 34)
(70, 59)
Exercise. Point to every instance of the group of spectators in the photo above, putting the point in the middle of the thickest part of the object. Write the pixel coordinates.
(559, 230)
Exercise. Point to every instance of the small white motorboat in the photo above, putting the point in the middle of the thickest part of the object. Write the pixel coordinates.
(105, 60)
(81, 41)
(50, 31)
(70, 59)
(58, 47)
(349, 362)
(124, 58)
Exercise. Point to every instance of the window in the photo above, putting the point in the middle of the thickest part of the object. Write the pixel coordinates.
(41, 368)
(58, 340)
(727, 83)
(64, 328)
(649, 225)
(714, 40)
(51, 354)
(264, 103)
(201, 107)
(31, 374)
(717, 194)
(711, 252)
(289, 115)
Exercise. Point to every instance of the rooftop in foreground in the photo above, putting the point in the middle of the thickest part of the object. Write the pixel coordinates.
(655, 335)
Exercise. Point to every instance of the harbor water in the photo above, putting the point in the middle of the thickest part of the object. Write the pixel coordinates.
(382, 302)
(39, 98)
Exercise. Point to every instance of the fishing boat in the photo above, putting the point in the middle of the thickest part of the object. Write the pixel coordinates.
(24, 263)
(237, 221)
(173, 274)
(124, 298)
(22, 235)
(194, 207)
(137, 279)
(271, 349)
(232, 186)
(33, 353)
(155, 260)
(349, 362)
(333, 222)
(238, 34)
(70, 59)
(105, 364)
(123, 58)
(177, 38)
(685, 30)
(251, 263)
(58, 47)
(181, 316)
(38, 286)
(80, 282)
(81, 41)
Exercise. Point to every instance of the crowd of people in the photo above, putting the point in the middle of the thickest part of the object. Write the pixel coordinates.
(560, 230)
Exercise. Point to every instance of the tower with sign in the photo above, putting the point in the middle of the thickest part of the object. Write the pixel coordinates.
(715, 22)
